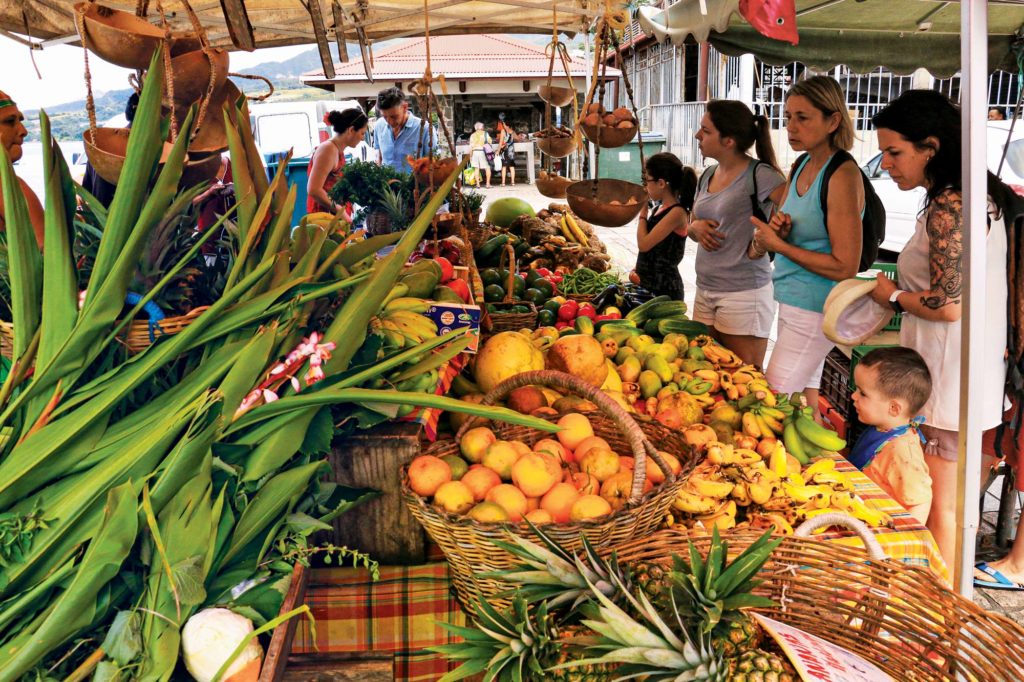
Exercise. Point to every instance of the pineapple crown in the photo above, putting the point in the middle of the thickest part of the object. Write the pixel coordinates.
(714, 590)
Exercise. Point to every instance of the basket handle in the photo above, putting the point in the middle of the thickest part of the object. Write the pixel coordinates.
(638, 443)
(509, 254)
(875, 550)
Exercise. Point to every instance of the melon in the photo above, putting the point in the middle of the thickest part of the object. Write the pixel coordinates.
(580, 355)
(504, 355)
(503, 211)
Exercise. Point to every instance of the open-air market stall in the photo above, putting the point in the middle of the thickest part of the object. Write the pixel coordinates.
(183, 477)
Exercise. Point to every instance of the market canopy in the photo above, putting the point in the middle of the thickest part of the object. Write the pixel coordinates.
(901, 35)
(271, 23)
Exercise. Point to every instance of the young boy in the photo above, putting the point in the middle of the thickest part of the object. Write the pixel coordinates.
(892, 385)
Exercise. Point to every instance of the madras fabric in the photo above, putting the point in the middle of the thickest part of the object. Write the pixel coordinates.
(397, 614)
(908, 541)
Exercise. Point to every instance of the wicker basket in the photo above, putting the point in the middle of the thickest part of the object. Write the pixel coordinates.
(901, 618)
(467, 544)
(508, 321)
(580, 298)
(137, 338)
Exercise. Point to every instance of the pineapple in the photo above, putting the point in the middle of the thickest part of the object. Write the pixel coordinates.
(761, 666)
(713, 592)
(518, 645)
(653, 580)
(556, 576)
(654, 648)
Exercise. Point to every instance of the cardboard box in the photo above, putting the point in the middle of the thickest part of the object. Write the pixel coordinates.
(451, 316)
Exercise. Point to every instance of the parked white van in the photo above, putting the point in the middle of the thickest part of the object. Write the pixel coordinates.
(280, 126)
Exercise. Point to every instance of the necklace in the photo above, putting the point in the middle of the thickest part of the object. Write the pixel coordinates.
(806, 177)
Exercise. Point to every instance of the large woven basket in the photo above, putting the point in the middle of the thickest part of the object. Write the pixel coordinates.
(901, 618)
(468, 544)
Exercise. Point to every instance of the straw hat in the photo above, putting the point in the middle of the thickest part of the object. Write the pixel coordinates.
(851, 316)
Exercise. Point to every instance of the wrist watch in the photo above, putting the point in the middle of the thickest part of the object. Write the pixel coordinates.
(894, 301)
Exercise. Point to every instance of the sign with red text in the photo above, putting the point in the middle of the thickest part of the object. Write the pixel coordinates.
(816, 660)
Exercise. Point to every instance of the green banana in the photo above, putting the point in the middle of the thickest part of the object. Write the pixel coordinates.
(461, 385)
(403, 302)
(397, 292)
(794, 444)
(817, 434)
(698, 387)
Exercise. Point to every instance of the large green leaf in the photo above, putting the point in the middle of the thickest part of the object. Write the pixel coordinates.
(76, 606)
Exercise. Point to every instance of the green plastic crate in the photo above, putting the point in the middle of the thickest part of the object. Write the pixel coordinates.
(890, 271)
(857, 354)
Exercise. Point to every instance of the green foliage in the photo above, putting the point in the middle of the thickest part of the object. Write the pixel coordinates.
(369, 184)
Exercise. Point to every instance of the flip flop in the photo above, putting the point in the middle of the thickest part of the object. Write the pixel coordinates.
(1001, 581)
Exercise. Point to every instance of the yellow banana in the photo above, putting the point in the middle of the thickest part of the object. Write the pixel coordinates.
(761, 491)
(819, 466)
(763, 426)
(416, 305)
(574, 227)
(774, 425)
(769, 519)
(742, 390)
(410, 322)
(566, 232)
(704, 399)
(773, 412)
(805, 514)
(837, 479)
(859, 509)
(741, 494)
(795, 479)
(392, 338)
(709, 488)
(742, 377)
(692, 503)
(807, 493)
(777, 460)
(750, 425)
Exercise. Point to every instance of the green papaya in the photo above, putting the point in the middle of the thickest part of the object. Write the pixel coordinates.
(443, 294)
(421, 284)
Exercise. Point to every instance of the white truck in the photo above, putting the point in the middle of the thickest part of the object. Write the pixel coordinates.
(280, 126)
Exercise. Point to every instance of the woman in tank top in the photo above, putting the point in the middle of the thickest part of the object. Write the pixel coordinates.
(661, 239)
(919, 136)
(814, 251)
(325, 166)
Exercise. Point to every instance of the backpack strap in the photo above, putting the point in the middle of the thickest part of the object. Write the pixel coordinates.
(705, 177)
(751, 182)
(837, 160)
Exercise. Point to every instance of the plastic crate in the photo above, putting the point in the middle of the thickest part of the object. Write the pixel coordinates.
(856, 355)
(890, 271)
(835, 382)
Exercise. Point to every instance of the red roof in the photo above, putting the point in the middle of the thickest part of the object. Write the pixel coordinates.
(457, 57)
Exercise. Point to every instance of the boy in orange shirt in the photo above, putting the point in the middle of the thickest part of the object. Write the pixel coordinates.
(892, 385)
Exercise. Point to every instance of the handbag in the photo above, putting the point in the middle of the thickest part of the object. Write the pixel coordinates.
(489, 153)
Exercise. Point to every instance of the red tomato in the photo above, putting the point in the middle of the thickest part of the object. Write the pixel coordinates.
(567, 312)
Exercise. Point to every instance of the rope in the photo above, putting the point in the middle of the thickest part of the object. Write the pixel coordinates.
(204, 42)
(632, 104)
(254, 77)
(168, 75)
(90, 103)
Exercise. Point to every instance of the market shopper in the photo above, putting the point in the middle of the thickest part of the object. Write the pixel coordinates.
(398, 133)
(814, 249)
(325, 166)
(661, 239)
(479, 144)
(919, 136)
(734, 291)
(12, 135)
(505, 158)
(893, 384)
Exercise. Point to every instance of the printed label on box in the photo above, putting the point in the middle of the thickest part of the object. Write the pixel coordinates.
(816, 660)
(451, 316)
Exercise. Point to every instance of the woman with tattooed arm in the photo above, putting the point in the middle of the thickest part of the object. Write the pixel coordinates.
(919, 136)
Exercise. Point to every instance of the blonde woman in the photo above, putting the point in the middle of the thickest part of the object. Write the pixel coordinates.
(479, 143)
(815, 248)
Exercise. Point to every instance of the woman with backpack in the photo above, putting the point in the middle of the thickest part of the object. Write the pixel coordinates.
(661, 239)
(919, 136)
(816, 245)
(734, 290)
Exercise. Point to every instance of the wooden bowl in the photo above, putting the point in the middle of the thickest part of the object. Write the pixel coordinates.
(556, 147)
(590, 200)
(555, 95)
(608, 137)
(553, 186)
(107, 149)
(440, 169)
(212, 137)
(200, 169)
(119, 37)
(192, 75)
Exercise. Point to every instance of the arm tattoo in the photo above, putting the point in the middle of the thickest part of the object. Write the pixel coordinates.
(945, 246)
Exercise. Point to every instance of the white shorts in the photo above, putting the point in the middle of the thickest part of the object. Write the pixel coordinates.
(739, 313)
(479, 160)
(798, 357)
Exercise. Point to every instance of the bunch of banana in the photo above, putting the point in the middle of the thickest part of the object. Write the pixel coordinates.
(704, 492)
(402, 380)
(401, 323)
(722, 357)
(806, 439)
(572, 231)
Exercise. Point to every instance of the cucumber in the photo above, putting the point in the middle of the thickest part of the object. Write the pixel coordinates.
(688, 328)
(491, 249)
(667, 309)
(651, 327)
(584, 325)
(640, 314)
(601, 324)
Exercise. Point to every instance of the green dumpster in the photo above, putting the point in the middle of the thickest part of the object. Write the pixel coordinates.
(623, 163)
(295, 174)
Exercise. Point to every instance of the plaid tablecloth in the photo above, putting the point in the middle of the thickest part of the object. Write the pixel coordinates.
(909, 541)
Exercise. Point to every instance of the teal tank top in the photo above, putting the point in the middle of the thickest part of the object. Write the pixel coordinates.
(793, 284)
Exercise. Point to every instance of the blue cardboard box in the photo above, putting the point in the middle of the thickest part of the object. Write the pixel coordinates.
(451, 316)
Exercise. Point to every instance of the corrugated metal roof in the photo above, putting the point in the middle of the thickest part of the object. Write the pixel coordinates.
(471, 57)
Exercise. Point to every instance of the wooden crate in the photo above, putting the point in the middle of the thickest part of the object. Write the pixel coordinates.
(281, 641)
(382, 527)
